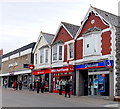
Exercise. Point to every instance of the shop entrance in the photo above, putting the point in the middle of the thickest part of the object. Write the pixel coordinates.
(84, 82)
(11, 80)
(61, 76)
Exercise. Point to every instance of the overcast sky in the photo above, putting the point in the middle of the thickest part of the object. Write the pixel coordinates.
(22, 20)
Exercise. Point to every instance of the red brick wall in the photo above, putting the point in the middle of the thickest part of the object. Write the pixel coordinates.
(105, 36)
(65, 53)
(63, 35)
(98, 23)
(106, 43)
(79, 49)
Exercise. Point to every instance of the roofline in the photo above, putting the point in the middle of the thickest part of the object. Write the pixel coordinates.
(61, 24)
(39, 38)
(86, 16)
(31, 45)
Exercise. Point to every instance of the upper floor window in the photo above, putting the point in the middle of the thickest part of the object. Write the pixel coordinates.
(46, 55)
(54, 52)
(58, 52)
(70, 51)
(92, 44)
(41, 55)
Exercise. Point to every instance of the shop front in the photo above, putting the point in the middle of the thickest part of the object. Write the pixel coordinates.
(96, 79)
(62, 74)
(42, 74)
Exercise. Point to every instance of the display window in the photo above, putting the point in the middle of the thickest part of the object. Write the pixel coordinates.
(57, 78)
(98, 85)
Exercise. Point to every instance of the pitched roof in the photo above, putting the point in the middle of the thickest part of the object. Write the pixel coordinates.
(111, 18)
(31, 45)
(48, 37)
(71, 28)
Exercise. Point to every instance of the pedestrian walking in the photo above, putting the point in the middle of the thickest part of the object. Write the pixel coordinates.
(61, 87)
(42, 86)
(20, 85)
(14, 84)
(37, 86)
(5, 83)
(67, 88)
(34, 85)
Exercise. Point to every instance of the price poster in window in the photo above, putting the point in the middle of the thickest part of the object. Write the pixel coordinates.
(96, 83)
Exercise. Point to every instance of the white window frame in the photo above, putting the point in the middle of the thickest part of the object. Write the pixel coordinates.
(68, 51)
(46, 49)
(96, 36)
(58, 45)
(40, 56)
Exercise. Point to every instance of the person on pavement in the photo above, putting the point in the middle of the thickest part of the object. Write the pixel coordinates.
(61, 86)
(20, 85)
(67, 88)
(37, 86)
(42, 86)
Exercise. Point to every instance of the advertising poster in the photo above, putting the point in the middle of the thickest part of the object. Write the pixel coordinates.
(101, 83)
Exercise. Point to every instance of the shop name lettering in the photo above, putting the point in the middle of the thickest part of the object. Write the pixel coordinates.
(91, 65)
(13, 64)
(59, 70)
(40, 72)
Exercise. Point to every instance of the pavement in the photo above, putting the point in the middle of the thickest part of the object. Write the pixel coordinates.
(26, 98)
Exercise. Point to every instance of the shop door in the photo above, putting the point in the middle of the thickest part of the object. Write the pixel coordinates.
(84, 82)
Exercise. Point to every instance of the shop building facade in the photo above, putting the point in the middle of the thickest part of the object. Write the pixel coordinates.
(42, 59)
(63, 56)
(15, 65)
(95, 54)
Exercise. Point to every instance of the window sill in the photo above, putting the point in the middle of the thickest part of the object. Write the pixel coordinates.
(85, 56)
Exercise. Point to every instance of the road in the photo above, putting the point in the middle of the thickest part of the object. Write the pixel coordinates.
(25, 98)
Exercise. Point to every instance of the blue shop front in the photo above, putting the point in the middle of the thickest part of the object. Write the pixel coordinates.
(96, 78)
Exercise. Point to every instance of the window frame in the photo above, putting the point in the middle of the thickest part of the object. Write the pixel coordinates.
(40, 55)
(58, 47)
(46, 49)
(96, 49)
(68, 51)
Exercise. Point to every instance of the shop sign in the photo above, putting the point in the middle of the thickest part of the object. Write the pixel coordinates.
(11, 73)
(63, 69)
(101, 83)
(25, 65)
(13, 64)
(106, 63)
(31, 66)
(39, 72)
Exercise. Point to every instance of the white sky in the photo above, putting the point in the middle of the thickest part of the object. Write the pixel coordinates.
(22, 20)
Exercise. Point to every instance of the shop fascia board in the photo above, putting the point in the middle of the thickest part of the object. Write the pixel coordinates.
(92, 59)
(16, 73)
